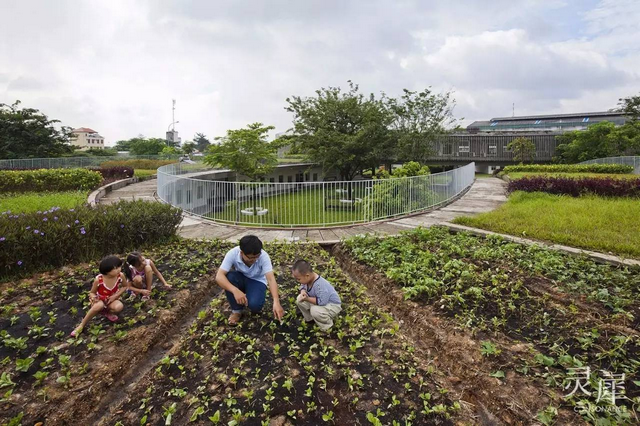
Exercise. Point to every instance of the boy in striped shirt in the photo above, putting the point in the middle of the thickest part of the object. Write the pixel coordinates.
(318, 300)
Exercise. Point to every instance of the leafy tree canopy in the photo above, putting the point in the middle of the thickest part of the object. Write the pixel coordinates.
(631, 107)
(600, 140)
(523, 149)
(27, 133)
(201, 142)
(142, 146)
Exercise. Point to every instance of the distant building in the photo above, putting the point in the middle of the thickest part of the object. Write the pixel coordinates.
(86, 138)
(173, 139)
(546, 123)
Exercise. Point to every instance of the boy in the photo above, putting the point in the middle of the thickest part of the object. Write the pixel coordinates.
(245, 272)
(318, 300)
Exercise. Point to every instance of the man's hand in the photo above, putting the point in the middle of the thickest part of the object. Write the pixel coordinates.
(241, 298)
(278, 312)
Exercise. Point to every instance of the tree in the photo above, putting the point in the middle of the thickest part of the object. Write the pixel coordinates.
(27, 133)
(142, 146)
(346, 131)
(631, 107)
(188, 147)
(245, 151)
(600, 140)
(419, 117)
(125, 145)
(523, 149)
(201, 142)
(170, 150)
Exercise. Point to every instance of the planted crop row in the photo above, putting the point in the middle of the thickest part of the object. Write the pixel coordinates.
(574, 313)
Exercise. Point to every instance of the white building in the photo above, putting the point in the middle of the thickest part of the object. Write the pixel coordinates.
(86, 138)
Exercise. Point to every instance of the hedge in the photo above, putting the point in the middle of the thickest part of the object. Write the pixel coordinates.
(569, 168)
(608, 187)
(139, 164)
(56, 237)
(114, 172)
(49, 180)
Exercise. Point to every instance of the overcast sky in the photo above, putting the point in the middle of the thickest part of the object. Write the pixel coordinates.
(115, 65)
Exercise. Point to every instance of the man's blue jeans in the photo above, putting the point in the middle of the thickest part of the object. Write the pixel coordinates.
(255, 291)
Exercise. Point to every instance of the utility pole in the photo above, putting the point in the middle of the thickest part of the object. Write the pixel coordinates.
(513, 109)
(173, 115)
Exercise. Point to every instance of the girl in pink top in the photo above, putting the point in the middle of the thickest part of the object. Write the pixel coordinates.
(139, 272)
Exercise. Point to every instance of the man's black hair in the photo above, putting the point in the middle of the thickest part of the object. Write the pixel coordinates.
(250, 244)
(302, 266)
(109, 263)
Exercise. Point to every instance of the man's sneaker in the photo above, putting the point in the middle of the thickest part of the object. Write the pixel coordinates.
(234, 318)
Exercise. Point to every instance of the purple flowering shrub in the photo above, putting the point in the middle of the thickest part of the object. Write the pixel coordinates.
(114, 172)
(606, 187)
(570, 168)
(55, 237)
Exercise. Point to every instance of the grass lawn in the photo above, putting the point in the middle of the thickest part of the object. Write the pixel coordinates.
(595, 223)
(144, 173)
(40, 201)
(519, 175)
(483, 175)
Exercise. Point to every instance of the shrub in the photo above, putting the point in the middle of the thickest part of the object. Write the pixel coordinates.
(48, 180)
(569, 168)
(35, 241)
(608, 187)
(138, 164)
(114, 172)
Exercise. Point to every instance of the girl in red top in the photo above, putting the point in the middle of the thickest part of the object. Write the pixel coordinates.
(105, 292)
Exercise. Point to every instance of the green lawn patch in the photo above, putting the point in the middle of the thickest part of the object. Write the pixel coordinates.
(595, 223)
(143, 173)
(40, 201)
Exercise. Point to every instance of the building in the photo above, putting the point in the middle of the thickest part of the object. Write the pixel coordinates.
(86, 138)
(173, 139)
(546, 123)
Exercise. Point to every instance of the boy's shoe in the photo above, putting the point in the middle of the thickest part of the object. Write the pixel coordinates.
(234, 318)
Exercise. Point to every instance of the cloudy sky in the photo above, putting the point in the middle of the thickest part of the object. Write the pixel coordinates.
(115, 65)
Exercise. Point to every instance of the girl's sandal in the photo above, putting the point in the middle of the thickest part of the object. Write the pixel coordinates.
(111, 317)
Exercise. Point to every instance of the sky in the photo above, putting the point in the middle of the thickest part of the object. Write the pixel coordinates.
(116, 65)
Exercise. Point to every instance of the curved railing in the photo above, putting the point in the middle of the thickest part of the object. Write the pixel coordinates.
(193, 188)
(74, 162)
(629, 160)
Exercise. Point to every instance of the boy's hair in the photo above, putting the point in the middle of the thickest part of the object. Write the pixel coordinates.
(134, 260)
(109, 263)
(250, 244)
(302, 266)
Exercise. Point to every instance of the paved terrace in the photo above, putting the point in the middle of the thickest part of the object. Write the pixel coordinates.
(485, 195)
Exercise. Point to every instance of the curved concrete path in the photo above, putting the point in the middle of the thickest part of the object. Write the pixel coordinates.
(485, 195)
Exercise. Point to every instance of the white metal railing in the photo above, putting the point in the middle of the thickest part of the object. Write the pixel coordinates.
(74, 162)
(629, 160)
(306, 204)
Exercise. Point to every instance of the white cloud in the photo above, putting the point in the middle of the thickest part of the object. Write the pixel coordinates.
(115, 65)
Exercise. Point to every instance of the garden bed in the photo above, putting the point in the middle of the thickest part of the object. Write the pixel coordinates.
(521, 316)
(69, 377)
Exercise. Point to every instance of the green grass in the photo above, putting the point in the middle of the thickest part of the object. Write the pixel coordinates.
(594, 223)
(483, 175)
(40, 201)
(143, 172)
(518, 175)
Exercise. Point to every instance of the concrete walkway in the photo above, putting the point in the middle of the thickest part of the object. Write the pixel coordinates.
(485, 195)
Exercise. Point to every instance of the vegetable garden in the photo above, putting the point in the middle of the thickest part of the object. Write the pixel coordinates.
(436, 328)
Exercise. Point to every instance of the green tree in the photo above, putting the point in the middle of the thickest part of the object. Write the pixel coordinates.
(631, 107)
(142, 146)
(419, 117)
(188, 147)
(523, 149)
(125, 145)
(105, 152)
(600, 140)
(344, 131)
(170, 150)
(27, 133)
(201, 142)
(247, 152)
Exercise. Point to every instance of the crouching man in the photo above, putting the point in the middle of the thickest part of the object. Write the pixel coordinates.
(318, 300)
(245, 273)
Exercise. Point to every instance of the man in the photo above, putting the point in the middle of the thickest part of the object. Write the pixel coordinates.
(245, 272)
(318, 300)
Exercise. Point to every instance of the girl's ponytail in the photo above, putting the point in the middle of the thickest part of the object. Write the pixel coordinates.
(126, 268)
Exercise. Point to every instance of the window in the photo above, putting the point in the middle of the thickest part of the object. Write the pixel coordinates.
(495, 123)
(199, 192)
(585, 120)
(447, 149)
(306, 177)
(538, 122)
(272, 180)
(464, 147)
(289, 178)
(280, 178)
(315, 177)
